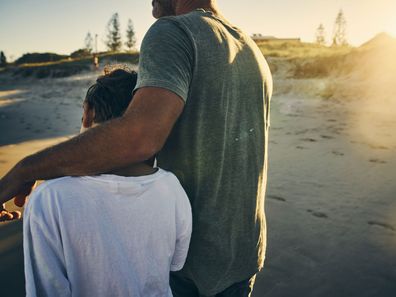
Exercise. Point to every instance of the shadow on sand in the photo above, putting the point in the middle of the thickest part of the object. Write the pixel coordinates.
(11, 260)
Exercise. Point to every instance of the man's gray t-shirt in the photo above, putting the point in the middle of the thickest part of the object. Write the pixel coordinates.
(218, 147)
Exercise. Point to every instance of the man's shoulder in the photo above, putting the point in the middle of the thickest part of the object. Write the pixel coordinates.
(180, 21)
(165, 26)
(194, 15)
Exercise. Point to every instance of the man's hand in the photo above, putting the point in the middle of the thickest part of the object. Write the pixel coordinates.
(11, 186)
(6, 215)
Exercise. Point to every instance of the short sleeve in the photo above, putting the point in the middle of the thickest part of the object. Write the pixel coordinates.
(45, 270)
(183, 233)
(166, 58)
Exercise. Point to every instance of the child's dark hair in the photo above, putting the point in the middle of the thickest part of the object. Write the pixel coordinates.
(111, 94)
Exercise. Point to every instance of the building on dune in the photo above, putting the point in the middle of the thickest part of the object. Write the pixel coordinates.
(261, 38)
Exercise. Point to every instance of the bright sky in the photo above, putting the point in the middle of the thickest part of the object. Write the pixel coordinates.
(61, 25)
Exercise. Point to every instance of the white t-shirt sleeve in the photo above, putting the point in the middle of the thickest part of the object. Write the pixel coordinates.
(45, 271)
(183, 232)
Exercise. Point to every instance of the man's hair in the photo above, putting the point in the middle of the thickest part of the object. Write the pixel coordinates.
(111, 95)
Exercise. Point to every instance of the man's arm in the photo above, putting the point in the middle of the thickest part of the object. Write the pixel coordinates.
(135, 137)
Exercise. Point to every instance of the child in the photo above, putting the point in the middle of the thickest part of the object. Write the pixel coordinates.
(117, 234)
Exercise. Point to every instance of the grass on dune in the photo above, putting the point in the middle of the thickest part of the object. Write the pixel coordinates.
(69, 66)
(295, 49)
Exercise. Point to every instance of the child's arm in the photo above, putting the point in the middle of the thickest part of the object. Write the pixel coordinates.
(183, 233)
(45, 271)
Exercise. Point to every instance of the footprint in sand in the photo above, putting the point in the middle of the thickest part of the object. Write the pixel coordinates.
(278, 198)
(301, 132)
(326, 136)
(294, 115)
(337, 153)
(335, 130)
(309, 139)
(383, 225)
(378, 147)
(356, 142)
(318, 214)
(378, 161)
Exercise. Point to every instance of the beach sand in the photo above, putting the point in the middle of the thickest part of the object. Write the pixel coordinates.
(34, 114)
(330, 201)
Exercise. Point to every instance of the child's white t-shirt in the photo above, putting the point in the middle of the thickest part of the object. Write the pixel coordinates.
(106, 235)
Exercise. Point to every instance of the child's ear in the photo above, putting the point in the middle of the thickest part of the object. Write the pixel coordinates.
(88, 117)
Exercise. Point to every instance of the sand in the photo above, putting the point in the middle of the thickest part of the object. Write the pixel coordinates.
(331, 200)
(34, 114)
(331, 193)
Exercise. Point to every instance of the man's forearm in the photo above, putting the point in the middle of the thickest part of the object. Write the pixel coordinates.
(98, 150)
(133, 138)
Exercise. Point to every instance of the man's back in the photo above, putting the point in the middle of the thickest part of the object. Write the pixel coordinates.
(220, 139)
(106, 235)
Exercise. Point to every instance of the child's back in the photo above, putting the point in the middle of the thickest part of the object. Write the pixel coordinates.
(106, 236)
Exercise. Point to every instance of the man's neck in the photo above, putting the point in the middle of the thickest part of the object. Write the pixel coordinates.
(134, 170)
(184, 7)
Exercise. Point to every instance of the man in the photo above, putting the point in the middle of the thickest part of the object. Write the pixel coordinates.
(77, 241)
(202, 102)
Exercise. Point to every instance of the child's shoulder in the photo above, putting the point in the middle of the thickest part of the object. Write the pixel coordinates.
(48, 191)
(174, 186)
(54, 185)
(167, 177)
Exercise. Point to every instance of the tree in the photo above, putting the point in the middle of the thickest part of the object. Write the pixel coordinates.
(339, 37)
(130, 35)
(113, 41)
(3, 59)
(320, 35)
(88, 43)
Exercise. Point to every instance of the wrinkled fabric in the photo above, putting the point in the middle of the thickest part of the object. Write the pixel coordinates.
(106, 236)
(218, 147)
